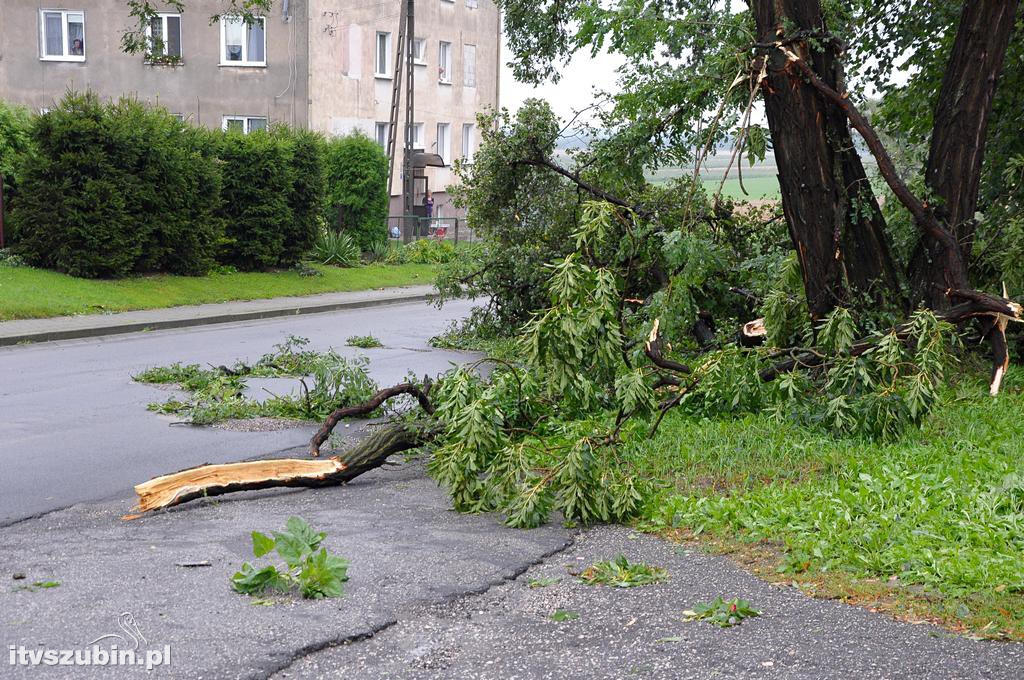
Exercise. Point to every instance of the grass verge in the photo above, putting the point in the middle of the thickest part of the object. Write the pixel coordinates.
(28, 293)
(928, 528)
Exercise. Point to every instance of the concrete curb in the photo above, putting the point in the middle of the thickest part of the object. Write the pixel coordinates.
(108, 325)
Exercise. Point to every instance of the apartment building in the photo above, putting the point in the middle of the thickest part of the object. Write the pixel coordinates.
(326, 65)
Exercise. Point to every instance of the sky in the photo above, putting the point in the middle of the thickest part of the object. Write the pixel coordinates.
(571, 93)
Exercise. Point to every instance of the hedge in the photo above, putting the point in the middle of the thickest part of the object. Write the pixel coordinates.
(357, 191)
(107, 190)
(115, 189)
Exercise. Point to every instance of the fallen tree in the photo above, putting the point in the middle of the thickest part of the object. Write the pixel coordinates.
(613, 291)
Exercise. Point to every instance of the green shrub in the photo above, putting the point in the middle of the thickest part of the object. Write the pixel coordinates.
(308, 187)
(429, 251)
(257, 186)
(336, 249)
(15, 128)
(110, 190)
(357, 191)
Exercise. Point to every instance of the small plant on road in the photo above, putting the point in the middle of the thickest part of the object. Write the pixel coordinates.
(307, 566)
(722, 613)
(563, 615)
(544, 582)
(364, 342)
(621, 573)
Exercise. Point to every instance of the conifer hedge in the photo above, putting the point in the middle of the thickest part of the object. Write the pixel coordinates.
(107, 190)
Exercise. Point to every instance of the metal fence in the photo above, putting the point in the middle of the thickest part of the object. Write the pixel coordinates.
(438, 228)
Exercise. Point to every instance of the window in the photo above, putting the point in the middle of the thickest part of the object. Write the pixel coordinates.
(419, 51)
(444, 60)
(382, 132)
(63, 35)
(382, 58)
(468, 132)
(244, 124)
(471, 4)
(444, 142)
(164, 34)
(417, 136)
(243, 44)
(469, 65)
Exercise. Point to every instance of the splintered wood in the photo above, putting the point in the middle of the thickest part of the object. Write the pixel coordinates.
(214, 480)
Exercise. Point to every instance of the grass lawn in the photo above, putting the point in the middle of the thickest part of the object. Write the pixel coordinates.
(930, 527)
(27, 293)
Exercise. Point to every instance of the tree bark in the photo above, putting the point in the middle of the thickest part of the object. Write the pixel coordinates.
(960, 125)
(834, 221)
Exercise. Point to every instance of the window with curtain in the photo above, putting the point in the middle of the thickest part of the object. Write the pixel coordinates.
(63, 35)
(243, 44)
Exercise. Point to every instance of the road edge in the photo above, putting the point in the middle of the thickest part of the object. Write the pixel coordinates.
(101, 330)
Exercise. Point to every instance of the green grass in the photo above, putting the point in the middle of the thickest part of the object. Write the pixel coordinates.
(27, 293)
(931, 526)
(760, 182)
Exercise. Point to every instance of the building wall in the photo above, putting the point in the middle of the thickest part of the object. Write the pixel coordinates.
(199, 88)
(345, 94)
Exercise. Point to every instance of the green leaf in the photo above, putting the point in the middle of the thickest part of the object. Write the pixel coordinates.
(323, 575)
(46, 584)
(564, 615)
(251, 581)
(261, 544)
(293, 550)
(298, 528)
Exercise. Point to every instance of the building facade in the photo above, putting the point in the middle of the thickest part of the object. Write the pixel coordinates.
(325, 65)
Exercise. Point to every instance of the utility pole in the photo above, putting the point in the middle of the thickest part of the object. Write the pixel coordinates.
(409, 183)
(404, 61)
(1, 211)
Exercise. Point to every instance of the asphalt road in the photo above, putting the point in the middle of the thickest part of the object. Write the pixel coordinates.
(74, 426)
(433, 595)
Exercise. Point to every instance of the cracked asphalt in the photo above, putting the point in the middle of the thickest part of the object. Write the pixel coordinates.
(433, 594)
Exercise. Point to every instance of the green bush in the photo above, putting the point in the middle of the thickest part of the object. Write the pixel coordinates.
(15, 128)
(110, 190)
(308, 187)
(337, 249)
(357, 191)
(257, 186)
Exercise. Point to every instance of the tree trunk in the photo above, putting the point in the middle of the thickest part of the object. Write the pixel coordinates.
(958, 146)
(834, 221)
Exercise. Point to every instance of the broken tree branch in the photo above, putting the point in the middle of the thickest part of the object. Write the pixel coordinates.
(216, 480)
(368, 407)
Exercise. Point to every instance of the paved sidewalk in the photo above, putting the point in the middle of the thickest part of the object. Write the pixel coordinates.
(433, 595)
(92, 325)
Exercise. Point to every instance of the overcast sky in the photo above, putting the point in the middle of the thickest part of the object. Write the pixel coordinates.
(571, 93)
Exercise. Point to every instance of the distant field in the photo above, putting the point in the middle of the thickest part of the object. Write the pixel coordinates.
(759, 181)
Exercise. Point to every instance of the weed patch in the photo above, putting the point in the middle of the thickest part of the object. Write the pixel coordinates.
(307, 566)
(721, 613)
(621, 573)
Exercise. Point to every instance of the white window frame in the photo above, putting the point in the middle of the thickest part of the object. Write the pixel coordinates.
(468, 138)
(67, 56)
(164, 16)
(419, 51)
(471, 4)
(468, 66)
(381, 133)
(418, 137)
(444, 150)
(444, 66)
(245, 43)
(246, 123)
(386, 73)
